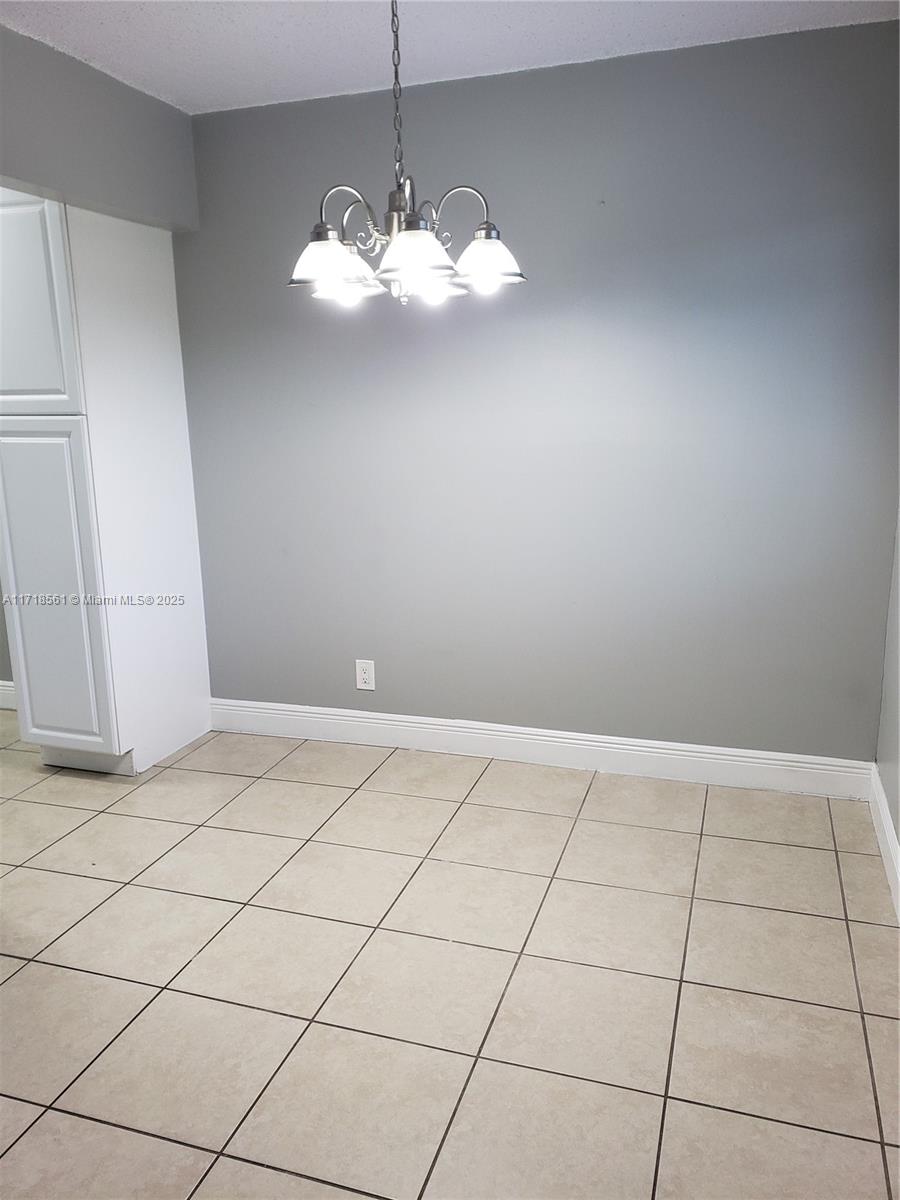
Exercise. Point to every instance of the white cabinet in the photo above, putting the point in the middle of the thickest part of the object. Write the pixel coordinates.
(59, 641)
(38, 358)
(99, 563)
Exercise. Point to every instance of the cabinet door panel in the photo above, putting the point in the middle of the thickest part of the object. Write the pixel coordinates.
(58, 649)
(38, 360)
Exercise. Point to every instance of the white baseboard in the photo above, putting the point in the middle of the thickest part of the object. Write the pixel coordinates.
(886, 833)
(844, 778)
(7, 693)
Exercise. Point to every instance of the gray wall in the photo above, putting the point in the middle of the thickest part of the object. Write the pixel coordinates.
(889, 728)
(652, 492)
(75, 134)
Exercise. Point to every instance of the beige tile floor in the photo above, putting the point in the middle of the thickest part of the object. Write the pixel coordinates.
(272, 970)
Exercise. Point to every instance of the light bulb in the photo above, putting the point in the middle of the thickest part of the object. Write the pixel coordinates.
(349, 290)
(345, 297)
(486, 285)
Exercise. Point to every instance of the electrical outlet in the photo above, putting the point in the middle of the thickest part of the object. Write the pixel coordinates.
(365, 675)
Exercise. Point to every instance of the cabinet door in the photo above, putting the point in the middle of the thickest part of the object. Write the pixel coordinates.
(38, 360)
(58, 647)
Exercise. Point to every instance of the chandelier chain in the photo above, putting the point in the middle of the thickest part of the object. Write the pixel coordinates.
(399, 172)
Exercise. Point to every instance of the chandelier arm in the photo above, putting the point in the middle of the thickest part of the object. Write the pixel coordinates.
(345, 218)
(462, 187)
(370, 240)
(360, 199)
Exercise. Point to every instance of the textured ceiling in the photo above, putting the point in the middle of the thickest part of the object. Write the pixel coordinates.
(204, 55)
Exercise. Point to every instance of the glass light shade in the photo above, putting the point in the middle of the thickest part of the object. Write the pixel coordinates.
(330, 262)
(486, 265)
(417, 262)
(349, 291)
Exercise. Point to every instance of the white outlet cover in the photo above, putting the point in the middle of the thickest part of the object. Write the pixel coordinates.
(365, 675)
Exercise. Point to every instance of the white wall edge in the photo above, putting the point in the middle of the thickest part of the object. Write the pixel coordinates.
(888, 842)
(841, 778)
(7, 693)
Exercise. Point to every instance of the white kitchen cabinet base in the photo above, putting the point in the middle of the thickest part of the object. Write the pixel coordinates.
(147, 755)
(86, 760)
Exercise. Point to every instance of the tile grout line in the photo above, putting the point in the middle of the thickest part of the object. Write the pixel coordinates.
(337, 982)
(218, 733)
(299, 1175)
(24, 961)
(51, 771)
(687, 938)
(731, 837)
(29, 862)
(499, 1004)
(266, 775)
(173, 1141)
(53, 1107)
(157, 773)
(757, 1116)
(452, 861)
(38, 958)
(55, 772)
(494, 808)
(862, 1015)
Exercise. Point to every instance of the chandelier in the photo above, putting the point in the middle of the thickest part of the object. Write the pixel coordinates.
(415, 260)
